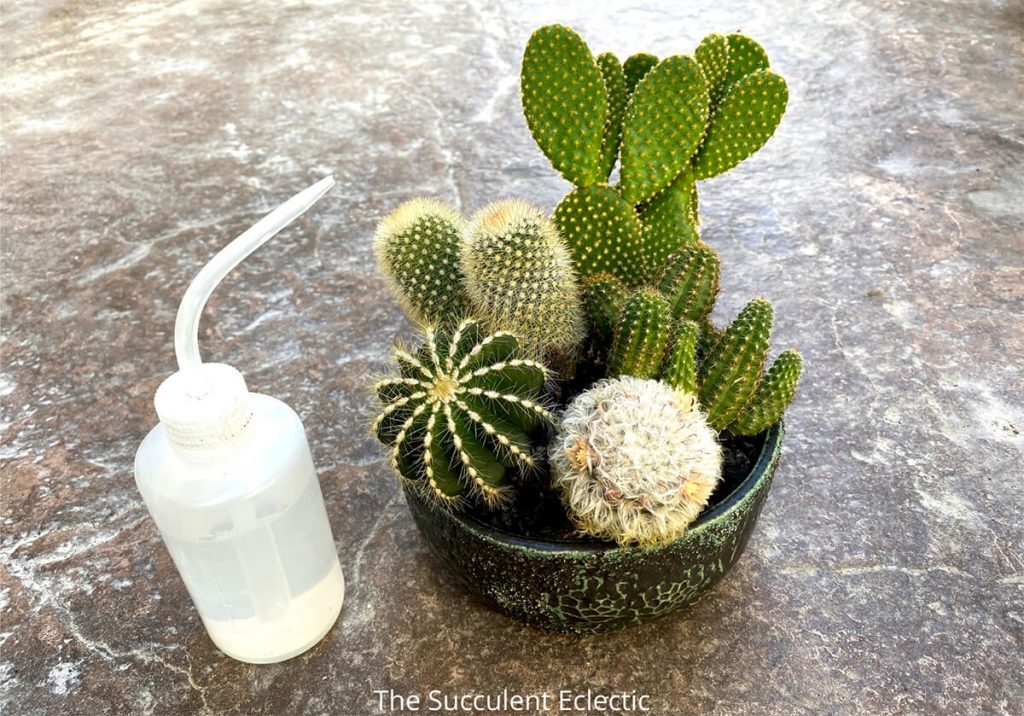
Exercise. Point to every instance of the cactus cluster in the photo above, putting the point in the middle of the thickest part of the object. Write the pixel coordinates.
(663, 332)
(667, 123)
(634, 461)
(507, 267)
(463, 410)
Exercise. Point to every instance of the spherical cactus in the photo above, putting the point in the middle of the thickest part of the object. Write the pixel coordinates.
(465, 408)
(520, 278)
(634, 461)
(417, 250)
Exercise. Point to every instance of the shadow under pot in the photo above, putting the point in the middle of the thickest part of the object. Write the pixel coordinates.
(586, 586)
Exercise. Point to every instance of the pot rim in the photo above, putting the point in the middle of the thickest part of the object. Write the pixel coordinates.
(762, 470)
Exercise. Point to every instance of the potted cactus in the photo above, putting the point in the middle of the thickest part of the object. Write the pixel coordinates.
(578, 442)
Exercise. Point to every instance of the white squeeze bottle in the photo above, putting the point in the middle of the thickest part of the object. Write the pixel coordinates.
(229, 480)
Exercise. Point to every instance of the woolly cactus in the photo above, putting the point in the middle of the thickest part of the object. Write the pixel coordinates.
(664, 124)
(772, 397)
(462, 412)
(681, 365)
(690, 281)
(641, 336)
(731, 372)
(520, 278)
(603, 233)
(417, 251)
(603, 296)
(634, 461)
(565, 102)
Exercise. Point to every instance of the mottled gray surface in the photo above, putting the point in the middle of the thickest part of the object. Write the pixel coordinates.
(885, 220)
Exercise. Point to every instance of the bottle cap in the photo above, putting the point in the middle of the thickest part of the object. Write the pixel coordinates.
(203, 407)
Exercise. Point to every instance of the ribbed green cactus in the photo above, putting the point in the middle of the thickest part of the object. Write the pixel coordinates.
(745, 118)
(669, 220)
(664, 124)
(634, 69)
(731, 372)
(603, 233)
(690, 281)
(641, 336)
(417, 251)
(681, 365)
(464, 409)
(565, 102)
(615, 88)
(520, 278)
(603, 296)
(772, 397)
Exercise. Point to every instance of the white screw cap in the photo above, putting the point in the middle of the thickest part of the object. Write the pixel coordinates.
(203, 407)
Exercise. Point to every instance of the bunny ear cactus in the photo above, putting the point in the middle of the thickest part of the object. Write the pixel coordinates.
(634, 69)
(615, 89)
(417, 250)
(462, 412)
(670, 220)
(565, 102)
(520, 278)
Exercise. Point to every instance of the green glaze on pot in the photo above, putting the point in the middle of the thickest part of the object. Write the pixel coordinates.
(596, 587)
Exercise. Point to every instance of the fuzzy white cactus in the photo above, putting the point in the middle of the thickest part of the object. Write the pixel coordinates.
(634, 461)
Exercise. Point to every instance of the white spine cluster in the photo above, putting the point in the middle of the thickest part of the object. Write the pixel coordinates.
(635, 461)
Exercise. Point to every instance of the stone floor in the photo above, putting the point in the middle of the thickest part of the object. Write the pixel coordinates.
(885, 220)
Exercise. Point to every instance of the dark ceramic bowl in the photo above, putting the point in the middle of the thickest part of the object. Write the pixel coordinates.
(598, 587)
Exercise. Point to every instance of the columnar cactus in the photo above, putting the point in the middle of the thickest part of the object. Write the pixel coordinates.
(417, 250)
(731, 372)
(464, 409)
(603, 296)
(772, 397)
(690, 281)
(642, 335)
(685, 119)
(520, 278)
(634, 461)
(680, 370)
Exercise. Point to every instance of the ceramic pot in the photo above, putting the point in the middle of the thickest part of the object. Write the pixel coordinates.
(584, 586)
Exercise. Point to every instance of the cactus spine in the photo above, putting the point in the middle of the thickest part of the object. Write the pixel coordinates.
(417, 251)
(772, 397)
(634, 461)
(641, 336)
(461, 412)
(520, 278)
(731, 372)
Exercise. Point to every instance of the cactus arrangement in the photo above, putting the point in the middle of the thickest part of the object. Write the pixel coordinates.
(579, 346)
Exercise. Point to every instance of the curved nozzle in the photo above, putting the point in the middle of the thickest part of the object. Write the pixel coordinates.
(186, 326)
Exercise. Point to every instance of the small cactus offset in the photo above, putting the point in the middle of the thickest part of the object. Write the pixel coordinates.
(603, 296)
(634, 461)
(731, 372)
(519, 277)
(642, 336)
(772, 397)
(417, 251)
(565, 102)
(690, 281)
(680, 370)
(462, 412)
